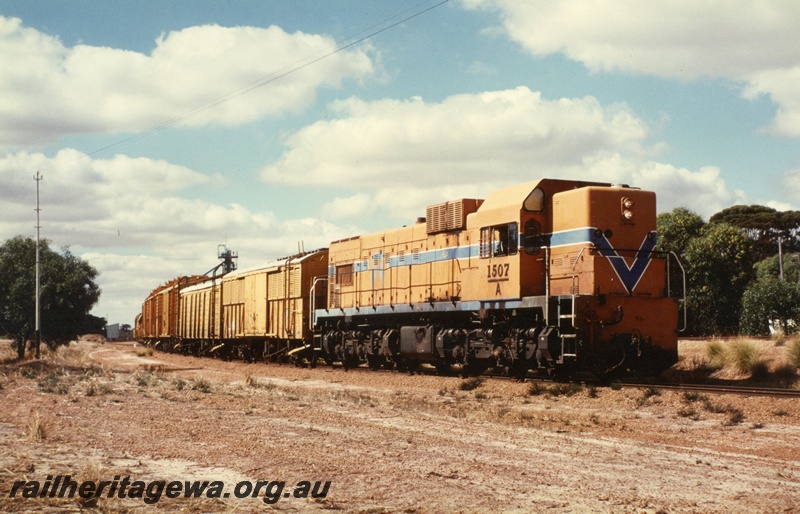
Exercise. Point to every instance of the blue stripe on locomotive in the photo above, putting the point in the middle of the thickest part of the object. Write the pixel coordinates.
(554, 240)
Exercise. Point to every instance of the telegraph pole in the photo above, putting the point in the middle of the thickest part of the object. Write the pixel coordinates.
(37, 178)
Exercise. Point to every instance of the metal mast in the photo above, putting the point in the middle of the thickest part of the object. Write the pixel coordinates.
(37, 178)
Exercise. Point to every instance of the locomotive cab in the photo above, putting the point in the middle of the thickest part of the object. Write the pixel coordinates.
(610, 280)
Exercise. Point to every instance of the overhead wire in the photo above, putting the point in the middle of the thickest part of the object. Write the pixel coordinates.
(340, 46)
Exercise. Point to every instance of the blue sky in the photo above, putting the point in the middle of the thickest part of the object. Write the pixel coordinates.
(163, 129)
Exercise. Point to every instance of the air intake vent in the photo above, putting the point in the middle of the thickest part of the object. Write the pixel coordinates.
(448, 216)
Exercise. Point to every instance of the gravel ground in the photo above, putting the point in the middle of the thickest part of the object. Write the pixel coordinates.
(386, 442)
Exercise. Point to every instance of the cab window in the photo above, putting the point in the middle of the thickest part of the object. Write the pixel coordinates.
(532, 238)
(535, 201)
(499, 240)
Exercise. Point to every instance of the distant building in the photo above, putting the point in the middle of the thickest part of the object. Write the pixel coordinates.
(117, 332)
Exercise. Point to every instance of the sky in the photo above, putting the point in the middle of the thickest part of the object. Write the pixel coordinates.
(165, 129)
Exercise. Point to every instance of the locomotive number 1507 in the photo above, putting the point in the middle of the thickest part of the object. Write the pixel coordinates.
(496, 272)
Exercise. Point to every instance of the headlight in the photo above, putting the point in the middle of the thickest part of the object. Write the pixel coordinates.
(626, 209)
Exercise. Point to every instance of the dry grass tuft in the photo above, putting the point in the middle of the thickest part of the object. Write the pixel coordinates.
(793, 352)
(201, 384)
(746, 358)
(470, 384)
(8, 353)
(144, 352)
(251, 381)
(93, 472)
(554, 390)
(715, 353)
(36, 428)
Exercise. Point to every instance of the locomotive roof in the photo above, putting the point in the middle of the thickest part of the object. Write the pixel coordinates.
(514, 196)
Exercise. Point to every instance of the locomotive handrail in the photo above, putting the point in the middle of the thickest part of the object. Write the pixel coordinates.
(312, 318)
(669, 292)
(547, 285)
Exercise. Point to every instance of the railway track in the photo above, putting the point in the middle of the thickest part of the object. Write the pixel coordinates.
(694, 388)
(722, 389)
(746, 390)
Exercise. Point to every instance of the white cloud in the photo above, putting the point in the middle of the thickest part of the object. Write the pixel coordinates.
(703, 191)
(507, 135)
(749, 43)
(48, 90)
(127, 218)
(397, 157)
(781, 86)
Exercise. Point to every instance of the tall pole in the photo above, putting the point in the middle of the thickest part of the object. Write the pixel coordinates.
(37, 178)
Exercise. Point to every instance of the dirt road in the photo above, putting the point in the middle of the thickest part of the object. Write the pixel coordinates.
(385, 442)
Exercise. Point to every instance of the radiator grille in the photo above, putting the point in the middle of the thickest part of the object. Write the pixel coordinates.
(448, 216)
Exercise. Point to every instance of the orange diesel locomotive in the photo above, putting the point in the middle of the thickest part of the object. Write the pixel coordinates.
(554, 275)
(558, 276)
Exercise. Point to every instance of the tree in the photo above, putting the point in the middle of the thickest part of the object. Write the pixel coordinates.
(764, 226)
(677, 228)
(770, 268)
(770, 300)
(719, 267)
(67, 294)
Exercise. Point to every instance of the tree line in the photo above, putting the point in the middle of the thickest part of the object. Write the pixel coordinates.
(742, 268)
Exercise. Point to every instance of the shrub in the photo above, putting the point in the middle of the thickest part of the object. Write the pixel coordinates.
(766, 300)
(745, 357)
(51, 383)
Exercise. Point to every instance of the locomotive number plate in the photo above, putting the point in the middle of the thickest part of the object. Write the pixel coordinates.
(497, 272)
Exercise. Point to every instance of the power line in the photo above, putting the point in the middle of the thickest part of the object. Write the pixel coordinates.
(277, 75)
